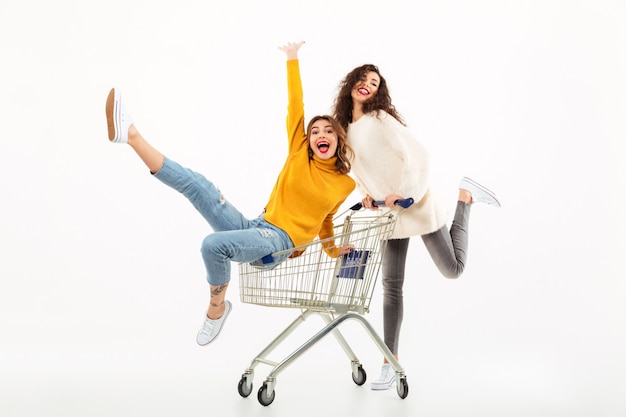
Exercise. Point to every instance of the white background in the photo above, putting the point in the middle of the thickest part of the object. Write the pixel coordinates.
(102, 286)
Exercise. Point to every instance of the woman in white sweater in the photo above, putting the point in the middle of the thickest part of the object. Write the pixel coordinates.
(390, 163)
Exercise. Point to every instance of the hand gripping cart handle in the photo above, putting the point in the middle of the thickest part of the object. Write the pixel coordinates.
(335, 288)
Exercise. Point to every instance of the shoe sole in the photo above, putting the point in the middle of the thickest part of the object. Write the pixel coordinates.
(111, 113)
(483, 189)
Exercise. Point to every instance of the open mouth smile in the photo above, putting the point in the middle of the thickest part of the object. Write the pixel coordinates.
(323, 146)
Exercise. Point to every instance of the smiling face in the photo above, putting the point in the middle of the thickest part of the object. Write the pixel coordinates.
(323, 139)
(366, 88)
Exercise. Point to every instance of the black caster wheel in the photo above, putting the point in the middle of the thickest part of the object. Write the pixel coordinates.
(403, 388)
(360, 377)
(263, 396)
(243, 388)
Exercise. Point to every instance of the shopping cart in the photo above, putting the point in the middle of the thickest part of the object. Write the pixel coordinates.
(336, 289)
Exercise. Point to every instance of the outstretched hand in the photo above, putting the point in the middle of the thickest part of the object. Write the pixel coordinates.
(291, 49)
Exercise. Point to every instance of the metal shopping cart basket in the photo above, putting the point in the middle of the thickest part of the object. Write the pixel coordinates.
(336, 289)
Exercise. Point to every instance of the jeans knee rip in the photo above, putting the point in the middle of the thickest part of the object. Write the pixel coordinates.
(222, 198)
(265, 232)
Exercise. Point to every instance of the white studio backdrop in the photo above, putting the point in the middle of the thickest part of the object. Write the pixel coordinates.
(102, 286)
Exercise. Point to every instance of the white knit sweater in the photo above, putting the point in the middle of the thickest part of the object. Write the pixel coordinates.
(389, 159)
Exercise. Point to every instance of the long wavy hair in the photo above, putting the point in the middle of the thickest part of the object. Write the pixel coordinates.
(344, 151)
(343, 105)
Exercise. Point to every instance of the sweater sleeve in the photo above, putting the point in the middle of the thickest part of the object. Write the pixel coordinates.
(295, 107)
(328, 230)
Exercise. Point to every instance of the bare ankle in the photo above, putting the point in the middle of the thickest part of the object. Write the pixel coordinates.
(215, 311)
(133, 133)
(465, 196)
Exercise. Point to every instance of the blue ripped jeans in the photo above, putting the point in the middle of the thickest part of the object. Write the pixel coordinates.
(235, 238)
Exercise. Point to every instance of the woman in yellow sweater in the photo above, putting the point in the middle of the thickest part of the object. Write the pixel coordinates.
(309, 190)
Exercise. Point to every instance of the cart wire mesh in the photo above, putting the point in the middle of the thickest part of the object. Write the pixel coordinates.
(316, 281)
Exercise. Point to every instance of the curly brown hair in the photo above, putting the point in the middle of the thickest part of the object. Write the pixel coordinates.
(344, 151)
(342, 107)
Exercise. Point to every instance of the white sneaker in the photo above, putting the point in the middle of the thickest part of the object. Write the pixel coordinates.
(118, 119)
(386, 379)
(479, 193)
(211, 328)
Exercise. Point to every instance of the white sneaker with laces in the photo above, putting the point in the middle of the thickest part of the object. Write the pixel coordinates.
(479, 193)
(386, 379)
(211, 328)
(118, 119)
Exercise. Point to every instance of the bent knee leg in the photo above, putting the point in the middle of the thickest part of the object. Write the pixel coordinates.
(216, 260)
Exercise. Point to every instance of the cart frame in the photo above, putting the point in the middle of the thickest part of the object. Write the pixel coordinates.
(335, 289)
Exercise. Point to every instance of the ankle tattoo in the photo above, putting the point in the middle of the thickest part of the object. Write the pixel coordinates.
(218, 290)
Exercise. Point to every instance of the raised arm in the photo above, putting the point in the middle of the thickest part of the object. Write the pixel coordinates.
(295, 109)
(291, 49)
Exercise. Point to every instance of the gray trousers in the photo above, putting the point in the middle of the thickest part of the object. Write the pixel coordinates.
(448, 249)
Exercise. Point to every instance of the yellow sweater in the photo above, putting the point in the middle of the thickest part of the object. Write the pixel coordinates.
(308, 192)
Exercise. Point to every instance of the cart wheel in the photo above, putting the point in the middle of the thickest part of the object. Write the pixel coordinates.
(243, 388)
(265, 399)
(360, 377)
(403, 388)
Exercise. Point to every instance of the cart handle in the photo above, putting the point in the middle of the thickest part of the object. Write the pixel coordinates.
(404, 203)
